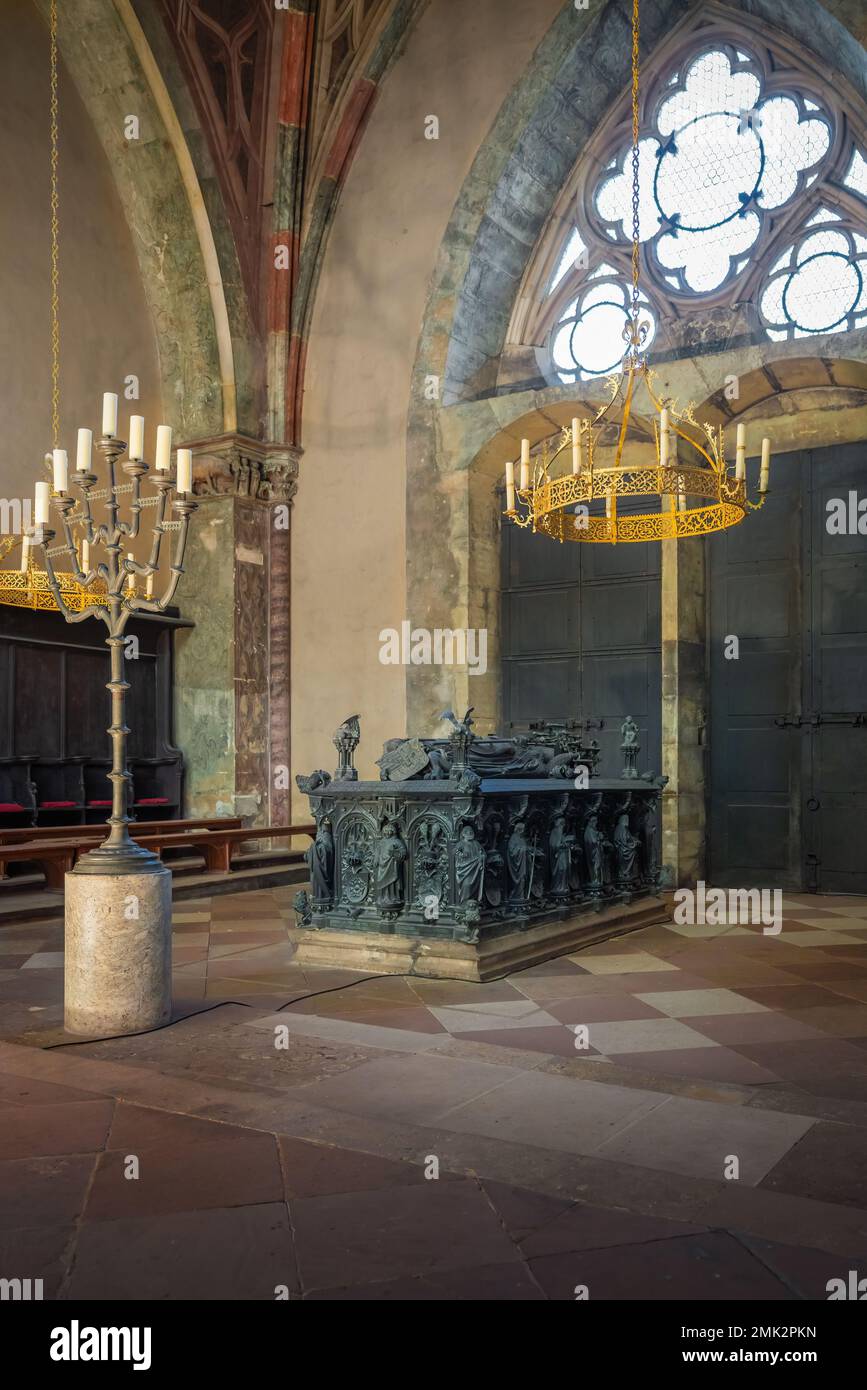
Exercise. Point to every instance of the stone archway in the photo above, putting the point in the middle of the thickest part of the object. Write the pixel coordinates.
(461, 422)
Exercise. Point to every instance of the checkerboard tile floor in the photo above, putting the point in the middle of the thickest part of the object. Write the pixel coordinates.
(566, 1100)
(723, 1003)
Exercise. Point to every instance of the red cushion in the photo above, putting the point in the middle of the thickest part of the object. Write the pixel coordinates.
(55, 805)
(152, 801)
(99, 803)
(11, 806)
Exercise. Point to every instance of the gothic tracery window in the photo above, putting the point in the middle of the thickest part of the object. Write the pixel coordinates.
(753, 194)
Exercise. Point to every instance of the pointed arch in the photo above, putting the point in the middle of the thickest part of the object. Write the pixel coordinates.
(738, 243)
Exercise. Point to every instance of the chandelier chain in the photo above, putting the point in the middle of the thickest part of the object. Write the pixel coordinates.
(635, 178)
(683, 498)
(55, 237)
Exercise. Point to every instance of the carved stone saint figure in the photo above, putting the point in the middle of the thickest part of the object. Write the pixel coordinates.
(390, 856)
(320, 862)
(626, 844)
(469, 867)
(594, 850)
(519, 858)
(560, 857)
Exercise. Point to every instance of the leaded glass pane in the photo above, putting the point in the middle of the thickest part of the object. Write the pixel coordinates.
(574, 249)
(856, 174)
(589, 339)
(725, 154)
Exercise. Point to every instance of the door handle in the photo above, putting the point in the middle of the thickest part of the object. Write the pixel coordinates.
(813, 803)
(783, 721)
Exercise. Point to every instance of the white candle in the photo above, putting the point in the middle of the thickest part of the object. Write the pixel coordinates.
(149, 586)
(766, 465)
(130, 579)
(663, 436)
(136, 437)
(577, 460)
(185, 470)
(109, 413)
(164, 448)
(510, 485)
(83, 452)
(525, 464)
(85, 556)
(741, 453)
(43, 492)
(25, 554)
(60, 464)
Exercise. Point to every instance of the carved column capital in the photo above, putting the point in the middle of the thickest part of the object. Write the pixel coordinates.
(237, 465)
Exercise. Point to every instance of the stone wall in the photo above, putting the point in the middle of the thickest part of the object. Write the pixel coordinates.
(349, 547)
(106, 328)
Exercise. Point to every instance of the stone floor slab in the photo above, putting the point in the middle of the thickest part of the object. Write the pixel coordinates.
(422, 1230)
(551, 1112)
(712, 1266)
(698, 1139)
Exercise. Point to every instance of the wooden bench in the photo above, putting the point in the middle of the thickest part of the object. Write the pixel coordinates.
(32, 833)
(217, 845)
(88, 835)
(57, 857)
(54, 857)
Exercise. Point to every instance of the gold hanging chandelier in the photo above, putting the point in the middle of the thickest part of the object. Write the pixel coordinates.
(690, 489)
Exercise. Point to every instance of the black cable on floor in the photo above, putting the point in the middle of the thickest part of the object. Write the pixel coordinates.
(314, 994)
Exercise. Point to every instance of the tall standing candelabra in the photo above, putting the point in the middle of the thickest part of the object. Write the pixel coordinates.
(118, 896)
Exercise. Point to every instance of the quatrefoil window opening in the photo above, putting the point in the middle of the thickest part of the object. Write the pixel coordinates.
(726, 155)
(589, 338)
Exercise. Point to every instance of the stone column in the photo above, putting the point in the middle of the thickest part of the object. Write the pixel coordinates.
(232, 669)
(279, 654)
(683, 709)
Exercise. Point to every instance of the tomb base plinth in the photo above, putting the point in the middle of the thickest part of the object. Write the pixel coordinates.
(118, 952)
(517, 947)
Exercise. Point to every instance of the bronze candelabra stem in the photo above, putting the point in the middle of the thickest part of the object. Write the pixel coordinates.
(119, 853)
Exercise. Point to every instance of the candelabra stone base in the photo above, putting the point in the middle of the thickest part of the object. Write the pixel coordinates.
(118, 962)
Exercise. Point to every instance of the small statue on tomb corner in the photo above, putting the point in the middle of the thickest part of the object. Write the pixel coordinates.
(346, 740)
(320, 862)
(469, 866)
(626, 846)
(630, 747)
(315, 781)
(389, 859)
(462, 726)
(560, 857)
